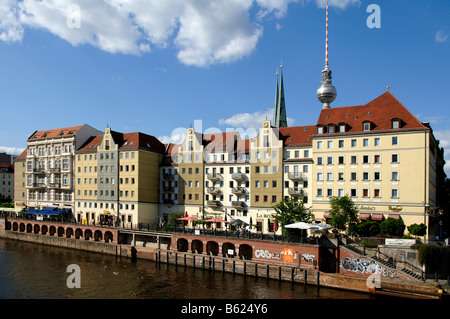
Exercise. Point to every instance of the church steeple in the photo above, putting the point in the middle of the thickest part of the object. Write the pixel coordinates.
(279, 113)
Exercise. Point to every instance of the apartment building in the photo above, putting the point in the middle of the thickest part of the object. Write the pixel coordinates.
(117, 178)
(20, 190)
(7, 182)
(49, 176)
(382, 157)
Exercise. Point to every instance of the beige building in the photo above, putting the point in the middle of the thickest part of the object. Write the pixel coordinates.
(117, 178)
(20, 190)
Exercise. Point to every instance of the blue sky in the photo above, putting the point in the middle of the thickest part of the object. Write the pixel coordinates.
(159, 66)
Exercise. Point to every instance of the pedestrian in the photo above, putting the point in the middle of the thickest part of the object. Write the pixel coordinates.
(378, 252)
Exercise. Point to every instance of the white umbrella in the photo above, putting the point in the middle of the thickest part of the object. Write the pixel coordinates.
(302, 225)
(323, 226)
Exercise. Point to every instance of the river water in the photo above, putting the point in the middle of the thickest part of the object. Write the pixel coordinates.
(32, 271)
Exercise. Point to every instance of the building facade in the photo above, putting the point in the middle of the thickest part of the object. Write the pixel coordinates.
(20, 190)
(117, 179)
(49, 176)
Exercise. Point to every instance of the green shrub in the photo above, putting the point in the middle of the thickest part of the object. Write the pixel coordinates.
(417, 230)
(430, 255)
(392, 227)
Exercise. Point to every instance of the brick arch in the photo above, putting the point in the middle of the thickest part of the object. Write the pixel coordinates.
(212, 247)
(108, 237)
(197, 246)
(226, 247)
(37, 228)
(69, 232)
(78, 233)
(182, 245)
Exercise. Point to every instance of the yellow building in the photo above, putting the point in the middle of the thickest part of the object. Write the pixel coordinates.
(117, 178)
(381, 156)
(20, 190)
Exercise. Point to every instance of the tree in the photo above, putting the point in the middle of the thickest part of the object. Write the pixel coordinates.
(289, 211)
(343, 212)
(367, 228)
(431, 256)
(417, 230)
(393, 227)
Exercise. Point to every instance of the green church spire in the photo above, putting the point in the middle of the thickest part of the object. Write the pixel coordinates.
(279, 113)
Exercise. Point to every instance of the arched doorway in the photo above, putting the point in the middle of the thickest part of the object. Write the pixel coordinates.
(60, 231)
(15, 226)
(108, 237)
(37, 229)
(246, 251)
(98, 235)
(29, 228)
(78, 233)
(52, 230)
(44, 229)
(228, 250)
(22, 227)
(197, 246)
(87, 234)
(69, 232)
(212, 248)
(182, 245)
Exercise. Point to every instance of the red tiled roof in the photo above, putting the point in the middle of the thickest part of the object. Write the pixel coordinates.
(91, 144)
(219, 142)
(243, 146)
(7, 168)
(21, 156)
(379, 112)
(60, 132)
(297, 135)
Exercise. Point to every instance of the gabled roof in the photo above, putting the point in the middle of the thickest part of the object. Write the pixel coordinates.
(297, 135)
(91, 144)
(380, 112)
(22, 156)
(54, 133)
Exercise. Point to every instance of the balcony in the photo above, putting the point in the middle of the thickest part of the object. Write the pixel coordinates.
(238, 176)
(55, 170)
(168, 201)
(295, 191)
(238, 191)
(168, 189)
(296, 176)
(168, 177)
(238, 204)
(54, 185)
(214, 191)
(214, 177)
(39, 170)
(213, 203)
(38, 185)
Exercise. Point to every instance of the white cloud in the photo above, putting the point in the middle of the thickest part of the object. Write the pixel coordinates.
(251, 120)
(441, 36)
(11, 150)
(204, 32)
(341, 4)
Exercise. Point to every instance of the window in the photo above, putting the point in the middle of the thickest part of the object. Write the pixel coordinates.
(319, 161)
(366, 126)
(365, 176)
(365, 159)
(365, 192)
(320, 130)
(266, 184)
(319, 192)
(341, 160)
(394, 140)
(266, 141)
(330, 144)
(394, 193)
(377, 176)
(342, 128)
(297, 154)
(353, 192)
(365, 142)
(330, 160)
(341, 143)
(306, 153)
(288, 154)
(319, 145)
(274, 184)
(395, 124)
(329, 176)
(320, 176)
(394, 158)
(353, 159)
(340, 192)
(340, 176)
(257, 184)
(329, 192)
(394, 176)
(377, 159)
(376, 192)
(354, 143)
(274, 198)
(376, 141)
(256, 198)
(353, 176)
(266, 198)
(331, 129)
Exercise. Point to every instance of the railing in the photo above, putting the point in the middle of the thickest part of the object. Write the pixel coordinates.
(213, 203)
(238, 190)
(214, 190)
(215, 176)
(296, 191)
(296, 176)
(238, 176)
(238, 204)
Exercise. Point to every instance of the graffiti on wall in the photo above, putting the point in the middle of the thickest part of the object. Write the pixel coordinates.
(365, 266)
(308, 258)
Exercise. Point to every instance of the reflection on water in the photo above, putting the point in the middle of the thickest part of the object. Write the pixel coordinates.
(35, 271)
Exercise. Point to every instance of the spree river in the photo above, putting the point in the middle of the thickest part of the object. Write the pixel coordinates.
(32, 271)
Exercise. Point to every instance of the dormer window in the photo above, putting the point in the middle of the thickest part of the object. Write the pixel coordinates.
(366, 126)
(320, 130)
(331, 128)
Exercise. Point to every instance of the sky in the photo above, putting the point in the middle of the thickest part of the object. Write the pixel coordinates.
(159, 67)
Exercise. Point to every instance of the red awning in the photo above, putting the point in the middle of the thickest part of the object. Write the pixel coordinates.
(327, 215)
(377, 216)
(395, 216)
(364, 216)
